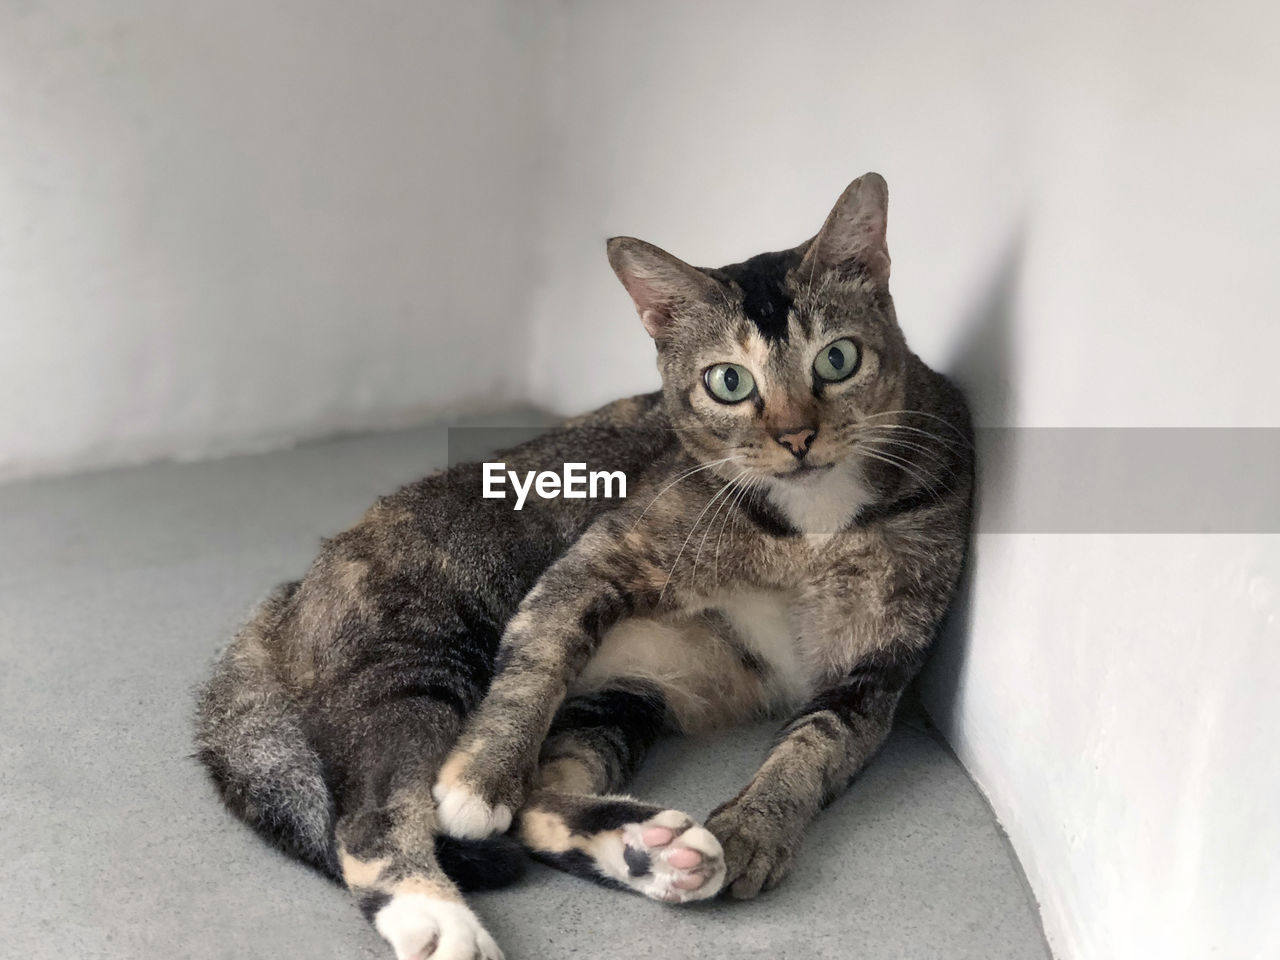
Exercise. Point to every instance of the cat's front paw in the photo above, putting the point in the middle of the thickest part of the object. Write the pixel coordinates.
(423, 927)
(467, 804)
(758, 846)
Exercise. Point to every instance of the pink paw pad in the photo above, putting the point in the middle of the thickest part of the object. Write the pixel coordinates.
(691, 881)
(671, 858)
(683, 858)
(658, 836)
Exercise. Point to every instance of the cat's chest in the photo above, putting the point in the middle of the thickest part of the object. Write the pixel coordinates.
(820, 506)
(766, 626)
(799, 633)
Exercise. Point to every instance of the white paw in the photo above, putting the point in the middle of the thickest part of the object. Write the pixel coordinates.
(419, 927)
(463, 814)
(670, 858)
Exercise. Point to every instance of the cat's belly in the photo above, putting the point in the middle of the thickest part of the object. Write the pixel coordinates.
(764, 624)
(714, 667)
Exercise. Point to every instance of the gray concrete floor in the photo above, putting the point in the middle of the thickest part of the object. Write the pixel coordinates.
(115, 590)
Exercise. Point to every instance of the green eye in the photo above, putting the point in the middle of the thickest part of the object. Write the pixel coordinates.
(729, 382)
(836, 361)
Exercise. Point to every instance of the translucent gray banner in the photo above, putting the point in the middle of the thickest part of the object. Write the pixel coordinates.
(1072, 480)
(1128, 480)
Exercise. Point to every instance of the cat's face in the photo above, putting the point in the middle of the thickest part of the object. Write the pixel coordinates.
(778, 367)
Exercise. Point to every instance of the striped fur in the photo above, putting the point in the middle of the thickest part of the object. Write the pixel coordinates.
(449, 668)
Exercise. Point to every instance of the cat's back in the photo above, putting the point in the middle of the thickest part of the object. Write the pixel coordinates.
(437, 549)
(446, 511)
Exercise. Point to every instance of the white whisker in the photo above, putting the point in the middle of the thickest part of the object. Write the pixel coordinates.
(857, 428)
(733, 512)
(906, 467)
(710, 523)
(680, 552)
(683, 476)
(909, 445)
(924, 413)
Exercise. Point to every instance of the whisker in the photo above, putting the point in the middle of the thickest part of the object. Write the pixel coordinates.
(733, 512)
(905, 428)
(925, 413)
(883, 458)
(879, 445)
(906, 467)
(853, 431)
(680, 552)
(909, 445)
(710, 523)
(683, 476)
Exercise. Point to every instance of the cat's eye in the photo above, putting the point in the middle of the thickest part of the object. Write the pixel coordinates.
(836, 361)
(729, 382)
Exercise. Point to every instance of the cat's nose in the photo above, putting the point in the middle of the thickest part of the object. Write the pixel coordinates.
(797, 439)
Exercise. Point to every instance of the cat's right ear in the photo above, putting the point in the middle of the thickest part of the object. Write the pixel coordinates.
(853, 238)
(661, 285)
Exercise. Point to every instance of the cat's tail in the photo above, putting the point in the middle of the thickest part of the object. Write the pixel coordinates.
(250, 736)
(486, 864)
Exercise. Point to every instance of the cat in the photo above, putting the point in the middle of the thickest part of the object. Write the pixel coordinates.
(452, 678)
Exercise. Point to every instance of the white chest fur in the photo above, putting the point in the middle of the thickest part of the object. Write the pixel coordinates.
(764, 622)
(823, 504)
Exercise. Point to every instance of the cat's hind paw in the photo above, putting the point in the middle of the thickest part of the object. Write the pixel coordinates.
(421, 927)
(670, 858)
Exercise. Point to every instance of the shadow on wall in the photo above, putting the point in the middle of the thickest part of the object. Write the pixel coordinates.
(983, 368)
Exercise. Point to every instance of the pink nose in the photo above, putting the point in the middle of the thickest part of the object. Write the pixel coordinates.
(797, 439)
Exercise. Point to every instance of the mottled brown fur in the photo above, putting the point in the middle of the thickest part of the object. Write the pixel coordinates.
(789, 551)
(862, 590)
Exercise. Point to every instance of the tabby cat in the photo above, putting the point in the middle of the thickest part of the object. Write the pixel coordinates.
(450, 670)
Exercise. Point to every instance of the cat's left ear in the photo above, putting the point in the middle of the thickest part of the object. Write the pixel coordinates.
(661, 285)
(853, 238)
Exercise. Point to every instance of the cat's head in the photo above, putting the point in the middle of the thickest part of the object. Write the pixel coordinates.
(776, 366)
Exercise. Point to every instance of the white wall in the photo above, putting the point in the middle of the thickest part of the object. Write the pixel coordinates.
(1082, 222)
(224, 225)
(721, 129)
(227, 225)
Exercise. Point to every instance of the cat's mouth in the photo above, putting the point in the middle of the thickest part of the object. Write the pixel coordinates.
(804, 471)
